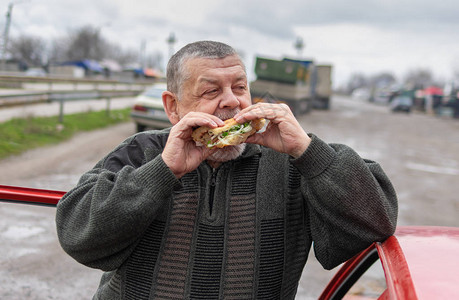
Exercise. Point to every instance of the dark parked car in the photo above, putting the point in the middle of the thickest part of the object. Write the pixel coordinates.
(401, 103)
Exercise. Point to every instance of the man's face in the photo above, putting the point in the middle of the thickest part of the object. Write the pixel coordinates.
(215, 86)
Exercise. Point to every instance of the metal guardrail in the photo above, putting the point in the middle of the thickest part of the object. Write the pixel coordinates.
(101, 89)
(23, 98)
(67, 95)
(70, 80)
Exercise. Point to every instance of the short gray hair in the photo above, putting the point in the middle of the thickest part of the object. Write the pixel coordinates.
(176, 73)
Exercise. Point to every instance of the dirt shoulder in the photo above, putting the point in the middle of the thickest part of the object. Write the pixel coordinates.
(33, 264)
(59, 166)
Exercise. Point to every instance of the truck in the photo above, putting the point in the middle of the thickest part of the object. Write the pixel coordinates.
(323, 87)
(301, 84)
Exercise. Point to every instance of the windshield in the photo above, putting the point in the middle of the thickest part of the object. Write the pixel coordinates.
(154, 92)
(404, 100)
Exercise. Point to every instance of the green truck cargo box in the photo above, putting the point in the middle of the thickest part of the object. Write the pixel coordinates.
(283, 71)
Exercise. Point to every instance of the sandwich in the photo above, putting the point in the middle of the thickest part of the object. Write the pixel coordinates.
(230, 134)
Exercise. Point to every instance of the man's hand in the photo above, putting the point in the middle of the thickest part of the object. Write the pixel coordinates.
(283, 133)
(181, 154)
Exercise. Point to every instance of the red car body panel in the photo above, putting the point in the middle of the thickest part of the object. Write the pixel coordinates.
(432, 254)
(398, 277)
(419, 262)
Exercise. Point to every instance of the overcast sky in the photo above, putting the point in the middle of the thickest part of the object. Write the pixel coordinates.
(367, 36)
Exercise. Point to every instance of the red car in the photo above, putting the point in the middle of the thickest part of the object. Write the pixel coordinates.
(417, 262)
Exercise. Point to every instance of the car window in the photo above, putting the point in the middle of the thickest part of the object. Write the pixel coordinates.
(406, 100)
(366, 280)
(370, 285)
(156, 92)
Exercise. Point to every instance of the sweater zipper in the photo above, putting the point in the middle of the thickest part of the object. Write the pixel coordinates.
(213, 183)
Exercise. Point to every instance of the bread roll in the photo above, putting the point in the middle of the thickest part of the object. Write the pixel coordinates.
(230, 134)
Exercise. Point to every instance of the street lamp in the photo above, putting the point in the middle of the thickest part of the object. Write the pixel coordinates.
(299, 45)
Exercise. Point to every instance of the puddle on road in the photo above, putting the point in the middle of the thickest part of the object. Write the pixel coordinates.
(22, 232)
(432, 169)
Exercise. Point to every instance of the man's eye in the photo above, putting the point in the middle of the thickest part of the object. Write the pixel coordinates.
(241, 88)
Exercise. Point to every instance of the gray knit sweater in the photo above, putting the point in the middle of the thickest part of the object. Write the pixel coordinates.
(242, 231)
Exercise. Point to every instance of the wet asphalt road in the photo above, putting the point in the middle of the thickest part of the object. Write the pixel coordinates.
(420, 153)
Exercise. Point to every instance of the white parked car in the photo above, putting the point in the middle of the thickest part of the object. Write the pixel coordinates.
(148, 110)
(35, 72)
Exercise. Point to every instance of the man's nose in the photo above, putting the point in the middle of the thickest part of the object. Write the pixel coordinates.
(229, 99)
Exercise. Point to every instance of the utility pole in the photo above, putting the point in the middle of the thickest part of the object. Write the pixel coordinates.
(171, 40)
(143, 47)
(5, 35)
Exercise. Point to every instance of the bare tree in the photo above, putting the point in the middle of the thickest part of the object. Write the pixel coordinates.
(155, 60)
(357, 80)
(383, 79)
(81, 43)
(56, 51)
(28, 49)
(123, 57)
(419, 78)
(86, 43)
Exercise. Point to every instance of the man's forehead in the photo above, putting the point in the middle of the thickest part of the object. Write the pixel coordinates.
(204, 78)
(212, 70)
(227, 61)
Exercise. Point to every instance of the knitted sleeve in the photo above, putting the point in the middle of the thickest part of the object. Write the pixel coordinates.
(101, 219)
(351, 202)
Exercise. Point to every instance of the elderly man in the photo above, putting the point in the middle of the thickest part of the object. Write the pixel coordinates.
(168, 219)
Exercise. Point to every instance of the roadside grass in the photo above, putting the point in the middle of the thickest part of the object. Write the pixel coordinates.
(18, 135)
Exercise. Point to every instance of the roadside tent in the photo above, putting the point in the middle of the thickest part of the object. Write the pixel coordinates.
(151, 73)
(433, 91)
(433, 99)
(111, 65)
(140, 72)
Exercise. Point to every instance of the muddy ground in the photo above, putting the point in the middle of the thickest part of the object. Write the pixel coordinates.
(419, 152)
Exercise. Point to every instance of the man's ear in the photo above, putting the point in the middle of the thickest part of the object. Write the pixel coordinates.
(170, 102)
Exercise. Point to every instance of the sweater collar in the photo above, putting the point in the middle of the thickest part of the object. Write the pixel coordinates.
(250, 150)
